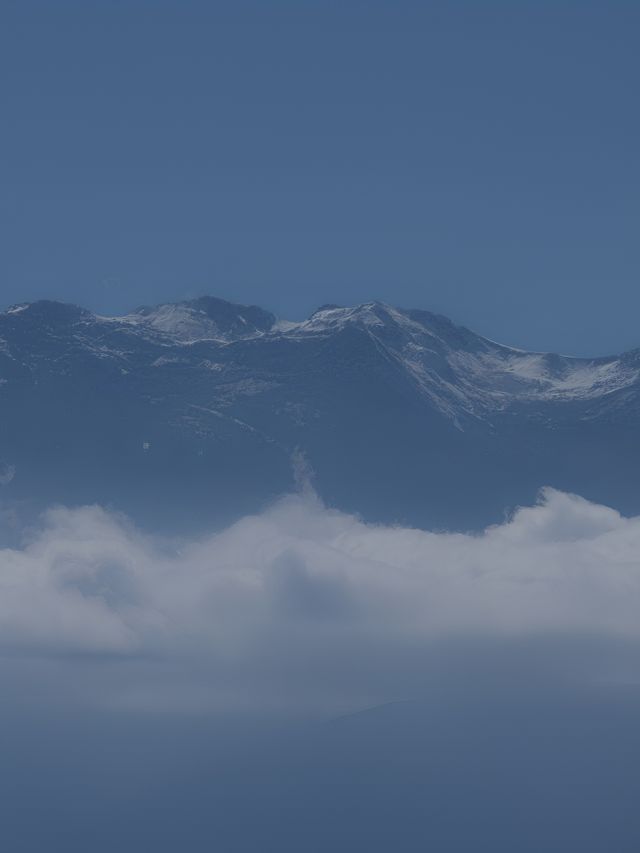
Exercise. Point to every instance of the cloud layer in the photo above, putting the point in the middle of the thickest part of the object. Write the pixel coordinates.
(306, 605)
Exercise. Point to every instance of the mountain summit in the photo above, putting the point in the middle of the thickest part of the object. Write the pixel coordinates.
(192, 411)
(206, 318)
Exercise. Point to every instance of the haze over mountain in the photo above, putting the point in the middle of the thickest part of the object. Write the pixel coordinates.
(201, 411)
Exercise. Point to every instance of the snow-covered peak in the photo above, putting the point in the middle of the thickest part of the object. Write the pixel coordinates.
(48, 312)
(328, 319)
(205, 318)
(176, 321)
(332, 317)
(456, 370)
(461, 372)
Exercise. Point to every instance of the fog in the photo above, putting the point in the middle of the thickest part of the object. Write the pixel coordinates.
(306, 608)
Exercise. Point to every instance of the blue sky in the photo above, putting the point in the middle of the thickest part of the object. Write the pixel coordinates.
(473, 158)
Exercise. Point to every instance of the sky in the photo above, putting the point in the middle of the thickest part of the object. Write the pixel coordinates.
(474, 159)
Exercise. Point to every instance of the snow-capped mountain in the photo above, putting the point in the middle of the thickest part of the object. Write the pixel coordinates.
(206, 318)
(197, 407)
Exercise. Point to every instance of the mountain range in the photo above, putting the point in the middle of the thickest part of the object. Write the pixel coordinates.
(191, 414)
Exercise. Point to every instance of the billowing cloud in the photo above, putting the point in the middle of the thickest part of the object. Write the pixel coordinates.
(306, 604)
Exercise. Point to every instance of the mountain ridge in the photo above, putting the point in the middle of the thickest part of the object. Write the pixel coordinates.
(207, 303)
(468, 361)
(404, 415)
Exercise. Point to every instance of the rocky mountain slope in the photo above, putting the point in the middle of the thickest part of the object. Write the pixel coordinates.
(190, 414)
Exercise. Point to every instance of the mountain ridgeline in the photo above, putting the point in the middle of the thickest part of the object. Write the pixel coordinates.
(189, 415)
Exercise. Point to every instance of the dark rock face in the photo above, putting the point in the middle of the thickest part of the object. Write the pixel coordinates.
(188, 415)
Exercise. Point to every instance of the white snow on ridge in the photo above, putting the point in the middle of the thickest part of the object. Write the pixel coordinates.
(328, 320)
(373, 316)
(459, 371)
(541, 375)
(182, 323)
(579, 378)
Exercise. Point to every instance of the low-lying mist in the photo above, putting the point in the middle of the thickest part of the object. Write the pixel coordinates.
(303, 609)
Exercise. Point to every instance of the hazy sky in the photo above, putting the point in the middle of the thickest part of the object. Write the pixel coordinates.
(475, 158)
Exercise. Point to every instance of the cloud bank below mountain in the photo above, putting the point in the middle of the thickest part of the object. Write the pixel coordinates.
(305, 607)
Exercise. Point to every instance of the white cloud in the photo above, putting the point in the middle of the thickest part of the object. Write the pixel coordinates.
(306, 604)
